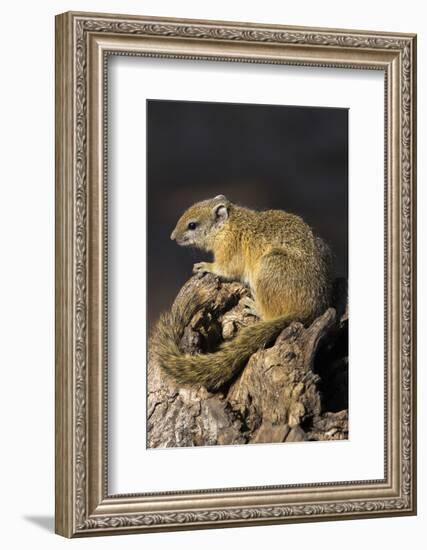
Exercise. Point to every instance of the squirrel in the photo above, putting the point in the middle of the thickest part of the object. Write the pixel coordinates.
(275, 253)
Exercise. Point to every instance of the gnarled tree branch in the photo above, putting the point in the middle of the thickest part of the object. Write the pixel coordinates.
(294, 390)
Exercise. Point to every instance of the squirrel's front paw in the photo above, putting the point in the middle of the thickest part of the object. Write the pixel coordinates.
(201, 268)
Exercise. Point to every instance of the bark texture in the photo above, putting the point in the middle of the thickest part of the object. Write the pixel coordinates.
(294, 390)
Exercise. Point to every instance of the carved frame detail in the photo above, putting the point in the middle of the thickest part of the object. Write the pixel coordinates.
(83, 506)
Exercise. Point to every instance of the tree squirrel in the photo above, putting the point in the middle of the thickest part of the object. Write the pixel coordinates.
(275, 253)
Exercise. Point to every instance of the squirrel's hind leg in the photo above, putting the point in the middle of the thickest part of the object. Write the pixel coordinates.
(278, 286)
(250, 306)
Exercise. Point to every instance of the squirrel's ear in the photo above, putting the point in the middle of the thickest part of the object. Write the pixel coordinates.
(220, 212)
(220, 198)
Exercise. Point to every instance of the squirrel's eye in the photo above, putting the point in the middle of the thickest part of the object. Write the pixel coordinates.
(192, 225)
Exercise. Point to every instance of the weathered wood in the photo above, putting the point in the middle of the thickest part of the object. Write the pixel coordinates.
(290, 391)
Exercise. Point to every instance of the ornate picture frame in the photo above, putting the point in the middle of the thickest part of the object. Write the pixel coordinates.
(84, 42)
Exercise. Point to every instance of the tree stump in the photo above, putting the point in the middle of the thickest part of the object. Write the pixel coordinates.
(294, 390)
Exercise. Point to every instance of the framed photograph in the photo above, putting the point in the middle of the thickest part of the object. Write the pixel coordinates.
(235, 274)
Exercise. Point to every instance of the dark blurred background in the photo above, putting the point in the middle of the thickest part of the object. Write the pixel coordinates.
(260, 156)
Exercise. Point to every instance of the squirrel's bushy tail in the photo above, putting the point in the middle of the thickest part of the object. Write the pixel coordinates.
(211, 370)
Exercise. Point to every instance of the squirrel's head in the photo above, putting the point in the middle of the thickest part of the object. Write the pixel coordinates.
(201, 222)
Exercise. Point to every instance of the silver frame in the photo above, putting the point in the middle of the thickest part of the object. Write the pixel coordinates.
(83, 43)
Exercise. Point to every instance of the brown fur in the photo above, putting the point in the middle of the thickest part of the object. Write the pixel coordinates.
(286, 267)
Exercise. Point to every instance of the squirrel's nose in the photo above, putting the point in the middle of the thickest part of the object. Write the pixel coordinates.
(173, 235)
